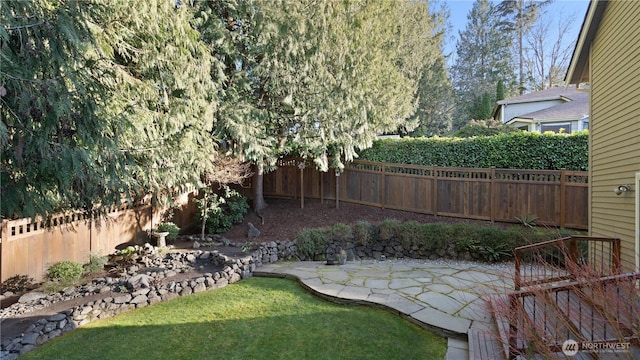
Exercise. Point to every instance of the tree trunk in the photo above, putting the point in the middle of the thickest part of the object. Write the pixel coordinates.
(258, 193)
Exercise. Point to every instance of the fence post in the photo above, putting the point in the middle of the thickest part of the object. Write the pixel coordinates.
(301, 167)
(435, 191)
(4, 235)
(337, 189)
(563, 198)
(492, 194)
(321, 186)
(382, 188)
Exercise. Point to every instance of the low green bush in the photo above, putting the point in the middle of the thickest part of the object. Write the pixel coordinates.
(364, 233)
(222, 210)
(312, 243)
(96, 263)
(171, 228)
(432, 236)
(341, 232)
(489, 243)
(409, 233)
(388, 229)
(65, 271)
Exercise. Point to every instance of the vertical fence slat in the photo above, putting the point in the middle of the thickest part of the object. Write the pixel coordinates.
(556, 197)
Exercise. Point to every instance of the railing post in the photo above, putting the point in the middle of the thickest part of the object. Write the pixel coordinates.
(517, 280)
(616, 256)
(513, 326)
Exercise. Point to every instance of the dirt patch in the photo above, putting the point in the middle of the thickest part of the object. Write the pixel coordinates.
(284, 218)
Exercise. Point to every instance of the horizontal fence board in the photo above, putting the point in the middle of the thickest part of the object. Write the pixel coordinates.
(556, 197)
(29, 247)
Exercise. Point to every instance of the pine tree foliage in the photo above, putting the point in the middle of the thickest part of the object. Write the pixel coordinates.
(482, 58)
(57, 149)
(163, 92)
(424, 30)
(327, 76)
(105, 99)
(517, 18)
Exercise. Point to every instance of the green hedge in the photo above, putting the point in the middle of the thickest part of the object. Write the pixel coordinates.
(521, 150)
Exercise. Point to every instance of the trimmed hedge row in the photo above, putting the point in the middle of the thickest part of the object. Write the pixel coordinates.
(521, 150)
(422, 240)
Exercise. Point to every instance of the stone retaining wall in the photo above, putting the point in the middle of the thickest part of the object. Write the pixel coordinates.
(139, 287)
(150, 283)
(392, 249)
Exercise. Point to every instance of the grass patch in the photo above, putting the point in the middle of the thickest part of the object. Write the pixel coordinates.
(257, 318)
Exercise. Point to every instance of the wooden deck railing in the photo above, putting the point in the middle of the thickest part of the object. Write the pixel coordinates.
(571, 288)
(558, 260)
(600, 310)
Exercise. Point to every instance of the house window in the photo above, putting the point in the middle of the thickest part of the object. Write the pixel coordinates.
(556, 128)
(585, 124)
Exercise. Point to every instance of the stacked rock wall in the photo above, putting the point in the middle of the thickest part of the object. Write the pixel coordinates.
(140, 286)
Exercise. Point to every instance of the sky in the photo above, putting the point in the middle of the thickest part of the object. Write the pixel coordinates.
(460, 8)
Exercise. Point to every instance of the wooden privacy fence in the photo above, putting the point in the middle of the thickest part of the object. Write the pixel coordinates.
(556, 197)
(29, 247)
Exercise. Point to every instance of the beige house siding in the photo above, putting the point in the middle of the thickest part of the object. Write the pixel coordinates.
(615, 125)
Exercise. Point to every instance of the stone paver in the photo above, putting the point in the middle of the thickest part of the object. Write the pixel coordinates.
(443, 295)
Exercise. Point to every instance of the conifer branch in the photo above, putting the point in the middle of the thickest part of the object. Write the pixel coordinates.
(11, 28)
(11, 111)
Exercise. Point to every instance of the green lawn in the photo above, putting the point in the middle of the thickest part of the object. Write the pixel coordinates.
(257, 318)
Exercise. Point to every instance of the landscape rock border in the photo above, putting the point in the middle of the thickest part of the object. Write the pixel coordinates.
(151, 284)
(138, 288)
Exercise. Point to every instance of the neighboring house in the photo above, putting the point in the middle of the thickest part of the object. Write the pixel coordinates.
(607, 56)
(547, 110)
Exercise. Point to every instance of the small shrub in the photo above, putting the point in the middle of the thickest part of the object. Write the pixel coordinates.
(388, 229)
(527, 220)
(124, 258)
(432, 236)
(17, 283)
(171, 228)
(96, 263)
(222, 210)
(341, 232)
(409, 233)
(65, 271)
(313, 242)
(363, 233)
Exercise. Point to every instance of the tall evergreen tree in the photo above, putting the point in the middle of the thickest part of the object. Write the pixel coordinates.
(482, 58)
(434, 96)
(500, 90)
(58, 150)
(163, 91)
(103, 100)
(319, 79)
(517, 17)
